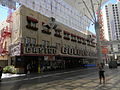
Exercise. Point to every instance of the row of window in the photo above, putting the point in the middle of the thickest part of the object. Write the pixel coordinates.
(46, 29)
(32, 42)
(72, 37)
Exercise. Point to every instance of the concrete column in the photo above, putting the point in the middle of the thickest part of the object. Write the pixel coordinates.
(98, 47)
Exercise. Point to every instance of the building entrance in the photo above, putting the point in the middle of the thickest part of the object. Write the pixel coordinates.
(33, 62)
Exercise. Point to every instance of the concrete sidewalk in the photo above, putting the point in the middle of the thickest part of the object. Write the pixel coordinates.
(88, 82)
(9, 76)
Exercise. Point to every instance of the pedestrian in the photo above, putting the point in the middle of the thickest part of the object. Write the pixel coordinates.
(1, 70)
(42, 67)
(101, 72)
(28, 69)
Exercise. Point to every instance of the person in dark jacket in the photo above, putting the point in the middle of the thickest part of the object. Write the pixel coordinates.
(101, 72)
(28, 69)
(1, 70)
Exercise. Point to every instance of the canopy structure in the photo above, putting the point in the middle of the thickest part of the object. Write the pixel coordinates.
(88, 7)
(8, 3)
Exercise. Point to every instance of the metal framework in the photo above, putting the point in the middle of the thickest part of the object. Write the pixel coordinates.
(6, 32)
(97, 28)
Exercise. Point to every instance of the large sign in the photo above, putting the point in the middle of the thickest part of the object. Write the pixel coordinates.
(53, 50)
(40, 50)
(15, 49)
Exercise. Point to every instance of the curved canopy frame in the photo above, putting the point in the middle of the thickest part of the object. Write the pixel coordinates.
(89, 8)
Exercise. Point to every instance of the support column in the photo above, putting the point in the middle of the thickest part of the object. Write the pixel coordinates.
(98, 47)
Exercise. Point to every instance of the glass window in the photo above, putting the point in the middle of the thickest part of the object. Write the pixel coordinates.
(66, 35)
(45, 43)
(33, 41)
(58, 45)
(28, 40)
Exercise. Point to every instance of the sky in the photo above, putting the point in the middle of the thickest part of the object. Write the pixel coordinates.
(91, 27)
(4, 13)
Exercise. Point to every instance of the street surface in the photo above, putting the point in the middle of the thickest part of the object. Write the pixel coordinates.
(75, 79)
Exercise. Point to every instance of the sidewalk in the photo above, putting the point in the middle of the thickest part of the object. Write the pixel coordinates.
(86, 81)
(8, 76)
(89, 82)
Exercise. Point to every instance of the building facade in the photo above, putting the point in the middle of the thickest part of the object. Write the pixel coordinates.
(40, 40)
(113, 24)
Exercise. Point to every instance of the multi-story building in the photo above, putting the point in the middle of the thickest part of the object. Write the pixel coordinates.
(113, 24)
(37, 39)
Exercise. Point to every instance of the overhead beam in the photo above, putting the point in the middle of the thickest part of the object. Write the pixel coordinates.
(110, 42)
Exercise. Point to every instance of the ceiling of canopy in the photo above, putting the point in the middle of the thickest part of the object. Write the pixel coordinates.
(82, 5)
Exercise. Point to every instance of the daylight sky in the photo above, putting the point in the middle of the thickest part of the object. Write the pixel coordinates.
(91, 27)
(4, 13)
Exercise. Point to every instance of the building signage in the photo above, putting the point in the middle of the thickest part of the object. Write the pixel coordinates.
(39, 50)
(71, 51)
(53, 50)
(15, 49)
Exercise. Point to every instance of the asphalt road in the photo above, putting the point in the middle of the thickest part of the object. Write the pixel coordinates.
(75, 79)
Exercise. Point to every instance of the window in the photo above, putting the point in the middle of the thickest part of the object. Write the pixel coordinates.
(73, 38)
(31, 23)
(27, 40)
(66, 35)
(45, 43)
(58, 45)
(33, 41)
(84, 41)
(79, 39)
(58, 33)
